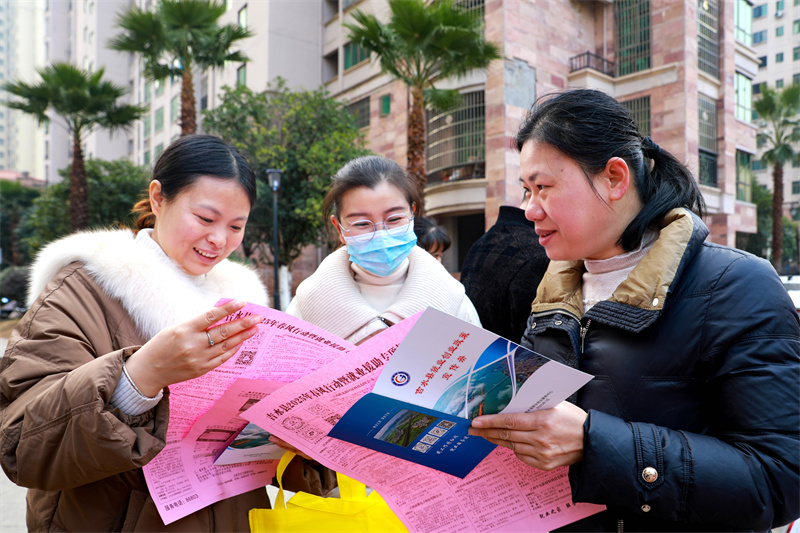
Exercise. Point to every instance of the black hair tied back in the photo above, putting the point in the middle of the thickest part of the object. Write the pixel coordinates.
(649, 148)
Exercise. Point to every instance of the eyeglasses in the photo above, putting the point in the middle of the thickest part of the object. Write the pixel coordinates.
(363, 230)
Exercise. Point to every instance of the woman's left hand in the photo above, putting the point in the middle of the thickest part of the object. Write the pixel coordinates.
(545, 439)
(286, 446)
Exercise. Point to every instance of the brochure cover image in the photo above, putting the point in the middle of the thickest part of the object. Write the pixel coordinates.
(449, 371)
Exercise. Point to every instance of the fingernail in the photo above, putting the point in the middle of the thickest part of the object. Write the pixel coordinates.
(239, 303)
(477, 423)
(256, 319)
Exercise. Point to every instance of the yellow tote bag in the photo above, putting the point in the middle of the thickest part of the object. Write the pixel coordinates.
(353, 512)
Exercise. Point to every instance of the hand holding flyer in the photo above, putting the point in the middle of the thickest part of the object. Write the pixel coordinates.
(523, 499)
(444, 373)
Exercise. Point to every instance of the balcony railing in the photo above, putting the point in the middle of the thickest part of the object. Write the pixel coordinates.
(592, 61)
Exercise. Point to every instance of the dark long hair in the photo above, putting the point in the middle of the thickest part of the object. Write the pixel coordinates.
(369, 171)
(591, 127)
(189, 158)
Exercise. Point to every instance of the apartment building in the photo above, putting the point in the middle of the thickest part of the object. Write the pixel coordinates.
(776, 40)
(285, 43)
(685, 69)
(77, 31)
(678, 66)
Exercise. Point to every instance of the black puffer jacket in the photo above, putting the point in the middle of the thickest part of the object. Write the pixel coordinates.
(693, 412)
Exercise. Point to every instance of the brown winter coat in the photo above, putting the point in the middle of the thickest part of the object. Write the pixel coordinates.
(80, 457)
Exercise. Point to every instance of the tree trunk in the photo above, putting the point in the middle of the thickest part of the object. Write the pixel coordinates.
(416, 142)
(188, 108)
(13, 222)
(78, 196)
(777, 216)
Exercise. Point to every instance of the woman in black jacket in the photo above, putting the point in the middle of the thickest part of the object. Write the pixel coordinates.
(691, 422)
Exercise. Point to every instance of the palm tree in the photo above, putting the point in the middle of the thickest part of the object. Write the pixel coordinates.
(424, 43)
(178, 36)
(85, 102)
(779, 109)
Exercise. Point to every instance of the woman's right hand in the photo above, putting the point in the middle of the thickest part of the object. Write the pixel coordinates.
(183, 352)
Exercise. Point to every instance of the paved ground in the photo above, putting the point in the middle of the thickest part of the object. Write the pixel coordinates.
(12, 497)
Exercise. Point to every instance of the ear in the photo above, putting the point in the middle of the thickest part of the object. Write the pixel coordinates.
(156, 198)
(338, 229)
(618, 177)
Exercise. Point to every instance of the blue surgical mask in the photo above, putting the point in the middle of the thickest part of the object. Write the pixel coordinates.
(382, 254)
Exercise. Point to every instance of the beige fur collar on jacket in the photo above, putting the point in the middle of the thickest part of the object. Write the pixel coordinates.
(150, 286)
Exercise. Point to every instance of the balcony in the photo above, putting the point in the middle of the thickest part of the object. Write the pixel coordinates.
(592, 61)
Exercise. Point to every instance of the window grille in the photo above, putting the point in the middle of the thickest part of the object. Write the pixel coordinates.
(354, 54)
(708, 37)
(639, 108)
(360, 110)
(744, 176)
(707, 118)
(457, 140)
(708, 168)
(744, 98)
(632, 35)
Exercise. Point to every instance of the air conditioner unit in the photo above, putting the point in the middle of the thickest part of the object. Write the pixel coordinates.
(778, 14)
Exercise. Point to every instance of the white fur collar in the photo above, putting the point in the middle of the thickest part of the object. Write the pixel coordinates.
(150, 286)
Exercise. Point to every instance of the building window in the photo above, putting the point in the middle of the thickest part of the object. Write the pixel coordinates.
(146, 123)
(632, 35)
(243, 17)
(796, 53)
(757, 165)
(779, 84)
(762, 62)
(796, 79)
(779, 31)
(386, 105)
(760, 11)
(759, 36)
(158, 150)
(779, 6)
(354, 54)
(159, 119)
(175, 109)
(159, 86)
(796, 187)
(360, 111)
(457, 140)
(241, 76)
(707, 118)
(708, 37)
(744, 177)
(744, 97)
(796, 27)
(756, 88)
(639, 108)
(147, 157)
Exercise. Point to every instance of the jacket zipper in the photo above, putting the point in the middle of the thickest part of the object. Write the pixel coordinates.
(584, 331)
(620, 526)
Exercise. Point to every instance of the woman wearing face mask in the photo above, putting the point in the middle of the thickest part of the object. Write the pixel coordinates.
(380, 277)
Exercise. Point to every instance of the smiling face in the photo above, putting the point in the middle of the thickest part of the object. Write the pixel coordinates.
(203, 224)
(574, 221)
(375, 205)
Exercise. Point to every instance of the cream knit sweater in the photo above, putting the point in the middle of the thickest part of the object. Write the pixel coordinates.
(333, 298)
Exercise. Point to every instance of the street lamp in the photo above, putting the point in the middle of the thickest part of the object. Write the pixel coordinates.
(274, 179)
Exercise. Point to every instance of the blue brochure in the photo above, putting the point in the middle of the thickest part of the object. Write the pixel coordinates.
(443, 374)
